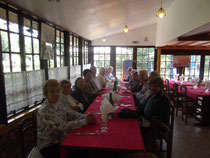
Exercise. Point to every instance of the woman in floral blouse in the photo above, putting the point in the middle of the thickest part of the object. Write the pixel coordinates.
(55, 121)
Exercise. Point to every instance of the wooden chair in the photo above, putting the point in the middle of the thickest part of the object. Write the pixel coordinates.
(162, 131)
(28, 131)
(198, 111)
(177, 100)
(169, 91)
(171, 121)
(188, 105)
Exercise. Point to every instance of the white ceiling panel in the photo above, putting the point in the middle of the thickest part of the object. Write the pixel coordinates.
(94, 19)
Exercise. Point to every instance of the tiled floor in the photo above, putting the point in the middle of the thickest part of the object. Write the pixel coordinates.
(190, 141)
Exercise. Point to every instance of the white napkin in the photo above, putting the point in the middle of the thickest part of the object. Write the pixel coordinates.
(109, 85)
(106, 108)
(115, 96)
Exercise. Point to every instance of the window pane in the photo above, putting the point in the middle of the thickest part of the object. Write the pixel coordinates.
(35, 32)
(27, 27)
(62, 61)
(36, 45)
(29, 64)
(57, 36)
(16, 63)
(14, 41)
(13, 22)
(4, 41)
(3, 21)
(28, 45)
(62, 49)
(58, 61)
(36, 62)
(58, 49)
(62, 37)
(6, 62)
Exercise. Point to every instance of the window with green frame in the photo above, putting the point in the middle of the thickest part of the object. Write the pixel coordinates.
(10, 41)
(101, 57)
(31, 44)
(206, 75)
(59, 48)
(145, 58)
(194, 70)
(122, 54)
(166, 66)
(76, 50)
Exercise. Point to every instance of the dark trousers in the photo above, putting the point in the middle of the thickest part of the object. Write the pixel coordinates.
(52, 151)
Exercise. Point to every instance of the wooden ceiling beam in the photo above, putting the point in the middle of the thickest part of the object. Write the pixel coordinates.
(185, 47)
(198, 37)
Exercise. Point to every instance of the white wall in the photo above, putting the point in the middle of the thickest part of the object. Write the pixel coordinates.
(133, 35)
(182, 17)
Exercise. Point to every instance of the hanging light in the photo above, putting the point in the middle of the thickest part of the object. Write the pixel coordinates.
(104, 39)
(161, 13)
(125, 29)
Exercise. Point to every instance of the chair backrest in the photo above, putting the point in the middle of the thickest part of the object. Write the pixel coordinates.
(183, 91)
(167, 86)
(162, 131)
(171, 124)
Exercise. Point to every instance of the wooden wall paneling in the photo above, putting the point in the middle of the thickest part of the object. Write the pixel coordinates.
(11, 144)
(28, 134)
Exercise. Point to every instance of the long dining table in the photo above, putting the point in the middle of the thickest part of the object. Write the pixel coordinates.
(122, 133)
(194, 93)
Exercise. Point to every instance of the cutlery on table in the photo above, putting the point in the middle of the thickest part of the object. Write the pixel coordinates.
(87, 133)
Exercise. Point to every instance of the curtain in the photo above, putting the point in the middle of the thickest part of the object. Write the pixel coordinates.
(87, 66)
(35, 82)
(15, 87)
(23, 89)
(59, 73)
(75, 72)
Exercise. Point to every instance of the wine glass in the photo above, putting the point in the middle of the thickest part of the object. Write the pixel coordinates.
(207, 88)
(103, 125)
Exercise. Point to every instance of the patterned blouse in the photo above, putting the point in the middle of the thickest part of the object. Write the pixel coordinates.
(54, 122)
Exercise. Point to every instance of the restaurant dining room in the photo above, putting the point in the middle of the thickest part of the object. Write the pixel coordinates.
(104, 78)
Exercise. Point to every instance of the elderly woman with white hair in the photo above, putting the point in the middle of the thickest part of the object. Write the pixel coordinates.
(102, 77)
(109, 73)
(55, 121)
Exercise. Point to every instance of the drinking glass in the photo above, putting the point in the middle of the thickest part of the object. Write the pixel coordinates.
(103, 125)
(207, 88)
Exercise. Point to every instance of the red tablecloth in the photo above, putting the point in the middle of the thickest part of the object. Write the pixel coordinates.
(123, 134)
(184, 83)
(193, 93)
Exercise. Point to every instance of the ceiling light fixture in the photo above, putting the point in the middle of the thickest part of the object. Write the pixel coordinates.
(125, 29)
(104, 39)
(54, 1)
(161, 13)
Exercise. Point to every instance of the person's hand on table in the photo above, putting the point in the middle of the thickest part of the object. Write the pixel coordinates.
(91, 119)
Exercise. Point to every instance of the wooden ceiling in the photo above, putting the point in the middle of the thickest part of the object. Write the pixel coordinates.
(196, 41)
